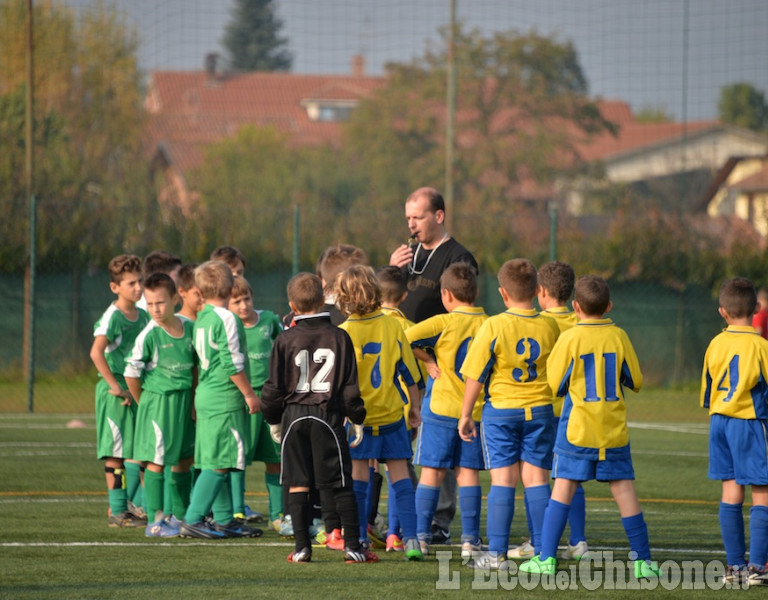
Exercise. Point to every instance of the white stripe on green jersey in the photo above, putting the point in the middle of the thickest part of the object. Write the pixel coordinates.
(121, 333)
(163, 361)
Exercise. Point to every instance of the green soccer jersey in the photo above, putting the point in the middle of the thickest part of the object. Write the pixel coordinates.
(221, 352)
(121, 333)
(259, 339)
(163, 361)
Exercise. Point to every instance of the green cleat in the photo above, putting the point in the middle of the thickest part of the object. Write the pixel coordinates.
(646, 569)
(542, 567)
(413, 550)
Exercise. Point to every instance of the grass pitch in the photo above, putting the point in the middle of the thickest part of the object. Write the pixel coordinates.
(55, 543)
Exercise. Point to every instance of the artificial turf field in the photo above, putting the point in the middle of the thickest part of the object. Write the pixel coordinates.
(55, 543)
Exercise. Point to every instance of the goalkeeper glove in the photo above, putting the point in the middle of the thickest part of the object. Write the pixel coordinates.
(357, 430)
(276, 432)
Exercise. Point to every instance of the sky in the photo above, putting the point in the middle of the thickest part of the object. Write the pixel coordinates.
(669, 55)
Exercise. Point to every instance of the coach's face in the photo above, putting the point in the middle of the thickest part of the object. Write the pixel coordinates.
(424, 224)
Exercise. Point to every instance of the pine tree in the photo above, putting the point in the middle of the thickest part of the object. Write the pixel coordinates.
(252, 38)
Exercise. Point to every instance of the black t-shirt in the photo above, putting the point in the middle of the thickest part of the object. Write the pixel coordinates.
(312, 363)
(423, 300)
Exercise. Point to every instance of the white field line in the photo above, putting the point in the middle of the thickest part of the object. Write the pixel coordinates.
(695, 428)
(49, 416)
(34, 425)
(47, 444)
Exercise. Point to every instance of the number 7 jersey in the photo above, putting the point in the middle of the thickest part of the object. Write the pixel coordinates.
(733, 381)
(590, 366)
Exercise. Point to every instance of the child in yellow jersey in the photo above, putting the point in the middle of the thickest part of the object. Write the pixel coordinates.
(383, 356)
(734, 389)
(508, 361)
(555, 289)
(439, 446)
(590, 366)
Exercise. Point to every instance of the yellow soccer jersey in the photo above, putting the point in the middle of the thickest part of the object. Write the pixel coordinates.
(733, 381)
(564, 318)
(383, 356)
(590, 366)
(509, 355)
(405, 323)
(450, 336)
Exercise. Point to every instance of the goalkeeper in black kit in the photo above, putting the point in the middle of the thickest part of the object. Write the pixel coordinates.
(312, 387)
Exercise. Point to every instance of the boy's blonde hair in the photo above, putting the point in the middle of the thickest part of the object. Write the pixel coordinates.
(518, 278)
(305, 292)
(241, 287)
(593, 294)
(338, 258)
(122, 264)
(558, 279)
(214, 279)
(357, 291)
(392, 282)
(460, 278)
(738, 297)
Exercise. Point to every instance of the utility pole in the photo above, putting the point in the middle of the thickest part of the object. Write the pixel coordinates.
(450, 133)
(28, 343)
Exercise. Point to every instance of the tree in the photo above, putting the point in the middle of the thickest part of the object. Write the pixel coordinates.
(744, 105)
(522, 109)
(90, 176)
(252, 38)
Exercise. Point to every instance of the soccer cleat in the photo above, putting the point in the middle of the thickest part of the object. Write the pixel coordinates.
(524, 550)
(757, 575)
(334, 540)
(235, 529)
(413, 550)
(316, 528)
(575, 552)
(544, 567)
(200, 530)
(440, 535)
(376, 537)
(173, 521)
(469, 549)
(424, 547)
(298, 556)
(394, 543)
(488, 560)
(161, 529)
(137, 510)
(286, 527)
(125, 519)
(646, 569)
(364, 555)
(251, 515)
(736, 574)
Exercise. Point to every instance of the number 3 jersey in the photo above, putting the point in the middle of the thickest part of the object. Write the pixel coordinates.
(383, 353)
(590, 366)
(312, 363)
(733, 381)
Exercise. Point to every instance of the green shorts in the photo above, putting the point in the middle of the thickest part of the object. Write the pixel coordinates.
(114, 424)
(164, 430)
(261, 446)
(221, 441)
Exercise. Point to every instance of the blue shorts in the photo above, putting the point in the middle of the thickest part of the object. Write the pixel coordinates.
(577, 468)
(508, 438)
(440, 447)
(738, 449)
(391, 442)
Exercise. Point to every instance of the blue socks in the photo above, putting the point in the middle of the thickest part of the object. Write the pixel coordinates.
(577, 517)
(732, 530)
(406, 506)
(427, 497)
(555, 518)
(361, 495)
(637, 533)
(393, 519)
(470, 499)
(501, 509)
(536, 503)
(758, 536)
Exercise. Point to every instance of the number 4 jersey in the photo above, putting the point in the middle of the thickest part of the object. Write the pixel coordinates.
(312, 363)
(733, 381)
(590, 366)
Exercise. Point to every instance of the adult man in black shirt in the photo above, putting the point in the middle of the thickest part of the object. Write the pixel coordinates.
(431, 252)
